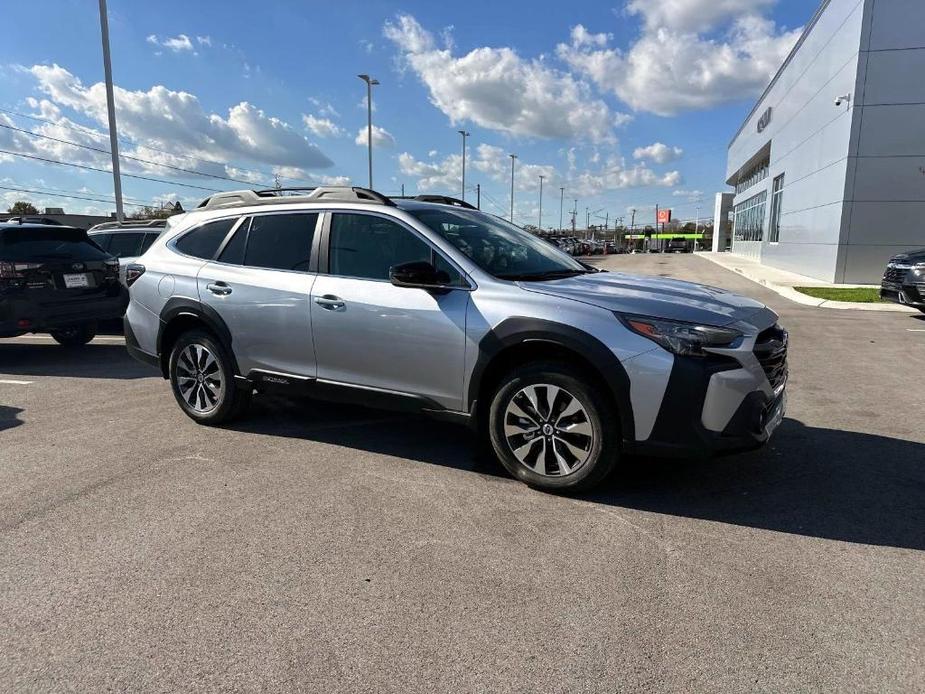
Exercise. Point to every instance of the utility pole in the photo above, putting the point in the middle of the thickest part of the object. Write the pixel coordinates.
(574, 215)
(513, 159)
(111, 109)
(587, 218)
(370, 82)
(478, 196)
(633, 220)
(561, 201)
(656, 225)
(403, 190)
(464, 136)
(540, 225)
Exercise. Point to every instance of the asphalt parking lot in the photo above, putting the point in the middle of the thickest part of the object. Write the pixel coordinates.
(316, 547)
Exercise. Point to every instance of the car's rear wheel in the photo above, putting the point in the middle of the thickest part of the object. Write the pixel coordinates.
(553, 429)
(202, 379)
(75, 335)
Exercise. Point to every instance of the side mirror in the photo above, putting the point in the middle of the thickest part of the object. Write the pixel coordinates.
(418, 273)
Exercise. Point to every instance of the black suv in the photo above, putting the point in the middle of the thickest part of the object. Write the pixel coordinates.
(54, 279)
(904, 279)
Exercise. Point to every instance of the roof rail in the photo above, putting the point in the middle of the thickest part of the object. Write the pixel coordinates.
(441, 199)
(130, 224)
(236, 198)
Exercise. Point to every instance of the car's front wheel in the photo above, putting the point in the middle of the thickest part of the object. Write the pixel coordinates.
(553, 429)
(202, 379)
(75, 335)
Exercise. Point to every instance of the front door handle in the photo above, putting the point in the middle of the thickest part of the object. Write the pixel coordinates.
(219, 288)
(330, 302)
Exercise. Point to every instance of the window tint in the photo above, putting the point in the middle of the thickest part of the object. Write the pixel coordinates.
(101, 240)
(280, 241)
(367, 246)
(30, 243)
(233, 253)
(126, 245)
(149, 239)
(453, 278)
(203, 241)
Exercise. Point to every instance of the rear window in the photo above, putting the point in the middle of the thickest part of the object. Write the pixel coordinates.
(31, 242)
(203, 242)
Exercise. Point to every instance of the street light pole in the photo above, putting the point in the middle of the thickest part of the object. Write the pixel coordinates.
(111, 108)
(370, 82)
(513, 159)
(540, 225)
(464, 136)
(561, 202)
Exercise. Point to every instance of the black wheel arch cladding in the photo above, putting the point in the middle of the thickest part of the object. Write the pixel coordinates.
(180, 308)
(514, 332)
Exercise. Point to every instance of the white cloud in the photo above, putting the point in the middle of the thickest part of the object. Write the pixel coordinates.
(582, 37)
(325, 109)
(204, 41)
(172, 120)
(178, 43)
(497, 89)
(658, 153)
(381, 137)
(689, 195)
(322, 127)
(693, 15)
(671, 68)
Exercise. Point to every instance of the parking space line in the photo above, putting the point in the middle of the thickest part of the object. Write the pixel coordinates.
(915, 330)
(11, 382)
(98, 338)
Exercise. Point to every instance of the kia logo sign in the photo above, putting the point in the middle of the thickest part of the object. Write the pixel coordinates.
(765, 120)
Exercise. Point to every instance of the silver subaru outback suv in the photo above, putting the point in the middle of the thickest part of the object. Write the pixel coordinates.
(430, 305)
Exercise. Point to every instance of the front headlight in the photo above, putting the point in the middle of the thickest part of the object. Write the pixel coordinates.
(686, 339)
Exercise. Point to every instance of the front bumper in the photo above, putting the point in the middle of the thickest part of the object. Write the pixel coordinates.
(909, 294)
(715, 406)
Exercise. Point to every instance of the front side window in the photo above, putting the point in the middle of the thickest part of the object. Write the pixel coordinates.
(498, 247)
(366, 246)
(279, 241)
(203, 241)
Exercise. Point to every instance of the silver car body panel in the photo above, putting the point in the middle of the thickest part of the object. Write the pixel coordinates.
(374, 335)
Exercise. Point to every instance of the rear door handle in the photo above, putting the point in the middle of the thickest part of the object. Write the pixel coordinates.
(219, 288)
(330, 302)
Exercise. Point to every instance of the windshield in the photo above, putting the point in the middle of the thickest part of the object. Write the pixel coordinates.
(498, 247)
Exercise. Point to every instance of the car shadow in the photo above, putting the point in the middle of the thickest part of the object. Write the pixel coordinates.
(817, 482)
(91, 361)
(9, 417)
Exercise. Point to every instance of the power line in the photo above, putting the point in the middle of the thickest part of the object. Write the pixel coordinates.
(94, 168)
(76, 127)
(125, 156)
(29, 191)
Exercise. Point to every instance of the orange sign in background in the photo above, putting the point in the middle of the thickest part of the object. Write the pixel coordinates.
(664, 216)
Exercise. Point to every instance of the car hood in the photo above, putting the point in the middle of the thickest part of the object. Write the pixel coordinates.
(659, 298)
(916, 256)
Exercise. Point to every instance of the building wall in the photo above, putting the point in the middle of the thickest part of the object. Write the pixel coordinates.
(810, 143)
(885, 201)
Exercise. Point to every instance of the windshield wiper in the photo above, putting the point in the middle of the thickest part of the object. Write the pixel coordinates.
(548, 275)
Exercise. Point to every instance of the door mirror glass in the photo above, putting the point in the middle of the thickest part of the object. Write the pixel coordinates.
(418, 273)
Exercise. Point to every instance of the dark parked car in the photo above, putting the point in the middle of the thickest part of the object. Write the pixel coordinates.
(54, 279)
(904, 279)
(678, 245)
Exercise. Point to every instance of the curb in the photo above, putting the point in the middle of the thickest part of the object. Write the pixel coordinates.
(797, 297)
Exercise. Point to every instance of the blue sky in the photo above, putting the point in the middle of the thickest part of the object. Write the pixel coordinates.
(623, 104)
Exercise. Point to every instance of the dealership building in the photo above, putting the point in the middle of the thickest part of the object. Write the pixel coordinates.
(829, 167)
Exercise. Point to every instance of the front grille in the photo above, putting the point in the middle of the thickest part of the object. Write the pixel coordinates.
(771, 352)
(895, 275)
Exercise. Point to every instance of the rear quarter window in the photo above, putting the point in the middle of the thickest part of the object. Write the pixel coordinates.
(203, 241)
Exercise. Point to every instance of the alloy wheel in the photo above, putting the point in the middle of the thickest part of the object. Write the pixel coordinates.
(199, 378)
(548, 430)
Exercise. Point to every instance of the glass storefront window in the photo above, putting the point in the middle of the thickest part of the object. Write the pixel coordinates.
(749, 218)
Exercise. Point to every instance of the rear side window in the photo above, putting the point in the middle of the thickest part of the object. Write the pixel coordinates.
(28, 243)
(126, 244)
(149, 239)
(280, 241)
(101, 240)
(203, 241)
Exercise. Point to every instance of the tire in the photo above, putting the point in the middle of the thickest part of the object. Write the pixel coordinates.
(75, 335)
(537, 449)
(203, 379)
